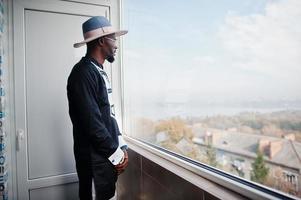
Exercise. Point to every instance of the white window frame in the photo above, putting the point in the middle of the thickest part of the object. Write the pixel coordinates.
(213, 183)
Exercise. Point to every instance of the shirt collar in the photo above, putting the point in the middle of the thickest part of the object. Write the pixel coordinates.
(94, 61)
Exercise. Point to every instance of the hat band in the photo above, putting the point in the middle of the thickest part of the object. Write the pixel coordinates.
(99, 31)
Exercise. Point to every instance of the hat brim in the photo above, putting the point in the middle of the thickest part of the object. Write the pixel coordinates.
(117, 34)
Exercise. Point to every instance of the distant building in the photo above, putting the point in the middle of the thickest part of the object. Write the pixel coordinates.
(236, 151)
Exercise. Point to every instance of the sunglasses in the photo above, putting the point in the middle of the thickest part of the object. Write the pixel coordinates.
(111, 39)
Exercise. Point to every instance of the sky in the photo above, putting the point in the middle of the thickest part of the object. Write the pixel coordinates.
(209, 50)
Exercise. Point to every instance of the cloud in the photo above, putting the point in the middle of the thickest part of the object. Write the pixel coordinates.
(203, 60)
(250, 56)
(268, 43)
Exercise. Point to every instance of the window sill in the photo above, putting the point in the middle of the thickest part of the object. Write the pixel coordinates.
(218, 185)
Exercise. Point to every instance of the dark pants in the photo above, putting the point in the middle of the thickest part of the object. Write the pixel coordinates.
(104, 176)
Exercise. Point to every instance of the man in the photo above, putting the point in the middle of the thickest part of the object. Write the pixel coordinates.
(100, 152)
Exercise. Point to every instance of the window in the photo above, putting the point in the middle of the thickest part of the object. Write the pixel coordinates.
(218, 82)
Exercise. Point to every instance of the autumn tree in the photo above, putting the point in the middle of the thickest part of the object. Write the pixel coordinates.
(176, 128)
(277, 181)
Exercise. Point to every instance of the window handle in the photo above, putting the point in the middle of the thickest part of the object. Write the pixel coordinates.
(19, 138)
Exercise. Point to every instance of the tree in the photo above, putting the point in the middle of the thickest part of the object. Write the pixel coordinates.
(211, 155)
(259, 169)
(277, 181)
(176, 129)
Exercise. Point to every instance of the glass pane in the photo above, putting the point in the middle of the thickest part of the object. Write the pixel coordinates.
(219, 82)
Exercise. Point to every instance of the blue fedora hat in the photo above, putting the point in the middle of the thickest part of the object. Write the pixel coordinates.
(97, 27)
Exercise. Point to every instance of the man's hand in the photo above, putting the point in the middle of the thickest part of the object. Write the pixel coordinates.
(121, 166)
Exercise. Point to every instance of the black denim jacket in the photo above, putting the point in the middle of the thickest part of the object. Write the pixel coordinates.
(95, 131)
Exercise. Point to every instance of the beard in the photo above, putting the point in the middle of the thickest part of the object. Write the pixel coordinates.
(110, 58)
